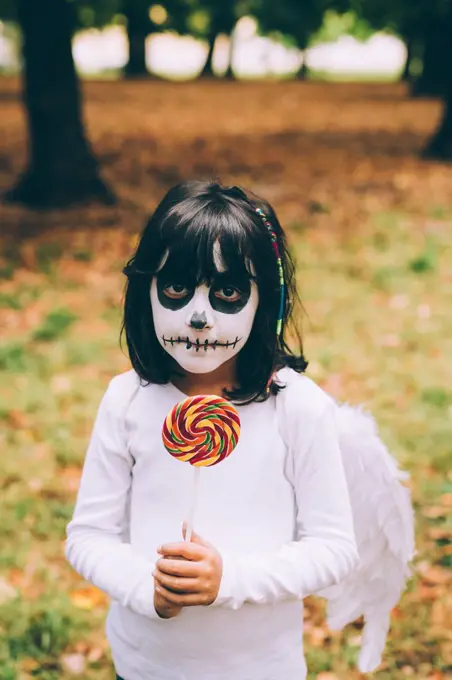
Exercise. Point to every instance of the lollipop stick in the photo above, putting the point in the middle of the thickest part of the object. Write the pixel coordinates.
(194, 498)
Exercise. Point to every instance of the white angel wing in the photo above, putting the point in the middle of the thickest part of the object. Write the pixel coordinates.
(384, 527)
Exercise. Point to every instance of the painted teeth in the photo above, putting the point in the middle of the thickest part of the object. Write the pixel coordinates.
(205, 345)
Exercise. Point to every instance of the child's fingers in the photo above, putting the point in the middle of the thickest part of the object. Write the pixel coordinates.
(183, 599)
(163, 594)
(177, 584)
(191, 551)
(179, 568)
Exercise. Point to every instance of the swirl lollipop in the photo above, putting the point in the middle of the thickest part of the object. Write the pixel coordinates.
(202, 431)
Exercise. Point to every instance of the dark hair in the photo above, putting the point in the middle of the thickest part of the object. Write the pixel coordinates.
(187, 222)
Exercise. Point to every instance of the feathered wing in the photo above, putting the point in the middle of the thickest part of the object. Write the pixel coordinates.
(384, 527)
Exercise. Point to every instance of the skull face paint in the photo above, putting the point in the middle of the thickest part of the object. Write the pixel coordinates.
(202, 325)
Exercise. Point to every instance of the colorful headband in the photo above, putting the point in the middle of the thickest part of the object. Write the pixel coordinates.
(282, 287)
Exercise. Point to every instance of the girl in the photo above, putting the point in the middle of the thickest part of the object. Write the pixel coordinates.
(208, 305)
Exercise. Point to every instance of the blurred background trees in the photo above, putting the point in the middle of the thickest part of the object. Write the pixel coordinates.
(62, 168)
(295, 22)
(423, 26)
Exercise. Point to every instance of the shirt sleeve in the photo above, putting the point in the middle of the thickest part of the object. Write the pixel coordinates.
(324, 551)
(95, 545)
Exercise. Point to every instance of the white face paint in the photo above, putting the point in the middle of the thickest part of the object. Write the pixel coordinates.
(201, 328)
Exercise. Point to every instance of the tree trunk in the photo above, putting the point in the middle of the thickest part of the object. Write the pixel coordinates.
(207, 69)
(222, 21)
(138, 29)
(433, 80)
(440, 145)
(61, 168)
(406, 74)
(303, 71)
(229, 73)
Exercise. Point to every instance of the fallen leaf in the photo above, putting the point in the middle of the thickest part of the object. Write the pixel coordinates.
(397, 613)
(390, 340)
(427, 593)
(317, 636)
(424, 311)
(75, 664)
(7, 591)
(95, 654)
(398, 301)
(18, 419)
(29, 665)
(35, 484)
(355, 641)
(88, 598)
(434, 511)
(61, 384)
(441, 613)
(70, 478)
(437, 576)
(333, 384)
(439, 533)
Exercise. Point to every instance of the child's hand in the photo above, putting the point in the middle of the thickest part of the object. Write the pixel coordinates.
(193, 580)
(165, 609)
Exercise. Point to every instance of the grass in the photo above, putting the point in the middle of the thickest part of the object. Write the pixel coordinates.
(54, 325)
(364, 77)
(377, 290)
(372, 327)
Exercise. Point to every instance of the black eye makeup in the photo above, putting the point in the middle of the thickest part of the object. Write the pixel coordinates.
(176, 291)
(228, 294)
(173, 294)
(229, 297)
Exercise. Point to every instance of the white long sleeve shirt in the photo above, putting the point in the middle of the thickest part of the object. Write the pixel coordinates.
(277, 509)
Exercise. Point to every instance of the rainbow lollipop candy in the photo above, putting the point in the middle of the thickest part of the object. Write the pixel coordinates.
(202, 431)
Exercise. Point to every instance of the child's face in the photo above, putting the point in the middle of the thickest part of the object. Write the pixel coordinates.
(202, 326)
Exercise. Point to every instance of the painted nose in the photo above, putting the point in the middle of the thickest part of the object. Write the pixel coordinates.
(198, 321)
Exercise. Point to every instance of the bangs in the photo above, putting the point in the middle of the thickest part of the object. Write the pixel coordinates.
(212, 241)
